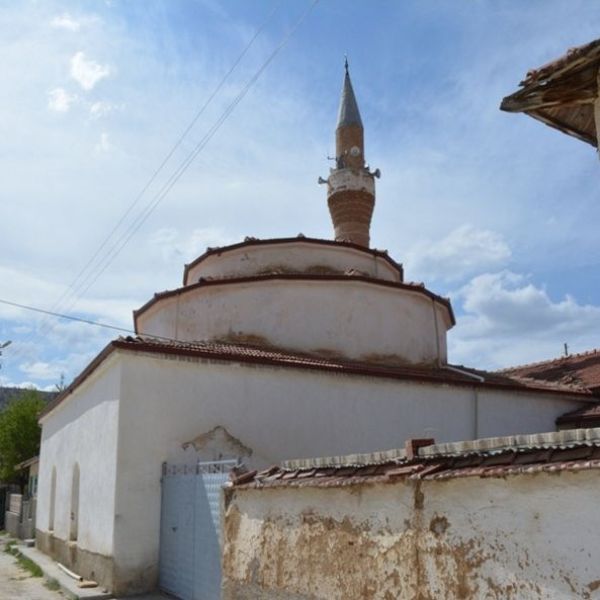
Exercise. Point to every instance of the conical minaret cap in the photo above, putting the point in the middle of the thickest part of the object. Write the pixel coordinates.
(348, 113)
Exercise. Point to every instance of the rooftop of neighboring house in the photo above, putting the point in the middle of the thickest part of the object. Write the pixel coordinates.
(561, 93)
(572, 450)
(582, 370)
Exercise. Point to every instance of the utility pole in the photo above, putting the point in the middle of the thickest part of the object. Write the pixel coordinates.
(2, 346)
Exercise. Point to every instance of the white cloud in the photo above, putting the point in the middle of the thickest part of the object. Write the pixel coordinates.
(104, 145)
(60, 100)
(176, 247)
(101, 108)
(509, 320)
(42, 370)
(26, 385)
(65, 21)
(464, 251)
(86, 72)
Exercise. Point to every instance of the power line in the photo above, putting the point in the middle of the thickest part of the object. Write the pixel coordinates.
(69, 317)
(75, 283)
(130, 231)
(133, 227)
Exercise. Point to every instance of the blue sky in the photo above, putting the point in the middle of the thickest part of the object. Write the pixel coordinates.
(495, 210)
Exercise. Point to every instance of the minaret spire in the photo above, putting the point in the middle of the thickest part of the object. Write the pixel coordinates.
(350, 186)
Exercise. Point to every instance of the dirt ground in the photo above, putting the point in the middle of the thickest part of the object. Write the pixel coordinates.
(18, 584)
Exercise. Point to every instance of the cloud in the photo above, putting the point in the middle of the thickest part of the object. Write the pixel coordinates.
(175, 246)
(104, 145)
(507, 320)
(65, 21)
(60, 100)
(42, 370)
(101, 108)
(464, 251)
(87, 73)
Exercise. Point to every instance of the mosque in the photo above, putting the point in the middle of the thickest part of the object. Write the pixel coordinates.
(272, 349)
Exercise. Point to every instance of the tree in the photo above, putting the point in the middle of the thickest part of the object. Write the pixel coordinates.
(19, 434)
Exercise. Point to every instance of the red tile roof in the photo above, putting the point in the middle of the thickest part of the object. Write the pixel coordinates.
(581, 370)
(575, 453)
(264, 355)
(588, 416)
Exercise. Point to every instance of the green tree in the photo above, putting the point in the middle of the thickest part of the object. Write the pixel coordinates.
(19, 434)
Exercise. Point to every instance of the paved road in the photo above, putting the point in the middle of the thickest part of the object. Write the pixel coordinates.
(18, 584)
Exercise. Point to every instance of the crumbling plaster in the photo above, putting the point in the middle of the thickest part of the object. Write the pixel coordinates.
(520, 537)
(355, 319)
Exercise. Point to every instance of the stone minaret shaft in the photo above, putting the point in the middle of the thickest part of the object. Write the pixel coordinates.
(350, 186)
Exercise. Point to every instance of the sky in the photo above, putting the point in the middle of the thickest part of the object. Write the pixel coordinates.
(494, 210)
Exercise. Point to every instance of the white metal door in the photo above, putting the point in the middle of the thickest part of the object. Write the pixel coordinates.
(190, 545)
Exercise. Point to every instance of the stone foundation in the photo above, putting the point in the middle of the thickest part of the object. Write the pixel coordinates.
(98, 567)
(89, 565)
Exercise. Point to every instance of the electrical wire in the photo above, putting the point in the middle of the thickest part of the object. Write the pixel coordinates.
(69, 317)
(74, 285)
(151, 206)
(130, 231)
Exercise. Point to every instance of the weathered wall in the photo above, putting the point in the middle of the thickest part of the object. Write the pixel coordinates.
(349, 318)
(168, 401)
(291, 257)
(520, 537)
(82, 431)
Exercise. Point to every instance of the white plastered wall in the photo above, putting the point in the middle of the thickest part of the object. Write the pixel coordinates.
(83, 429)
(355, 319)
(290, 257)
(280, 414)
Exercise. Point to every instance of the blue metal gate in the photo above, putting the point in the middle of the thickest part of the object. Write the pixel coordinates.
(190, 545)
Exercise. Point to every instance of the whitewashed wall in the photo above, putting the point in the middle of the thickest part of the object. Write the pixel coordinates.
(351, 318)
(295, 256)
(83, 430)
(279, 414)
(529, 536)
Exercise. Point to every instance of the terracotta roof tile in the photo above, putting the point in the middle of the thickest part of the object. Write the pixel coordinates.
(562, 451)
(264, 355)
(580, 370)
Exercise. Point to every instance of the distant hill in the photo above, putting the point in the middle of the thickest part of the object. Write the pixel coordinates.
(8, 393)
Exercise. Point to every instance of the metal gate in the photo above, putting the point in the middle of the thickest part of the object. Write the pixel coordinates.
(190, 545)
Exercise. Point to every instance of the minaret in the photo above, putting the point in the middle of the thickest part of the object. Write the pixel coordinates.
(350, 186)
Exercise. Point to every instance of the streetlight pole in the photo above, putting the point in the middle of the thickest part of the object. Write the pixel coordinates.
(2, 346)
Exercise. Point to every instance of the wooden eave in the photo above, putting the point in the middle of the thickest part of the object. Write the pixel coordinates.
(562, 94)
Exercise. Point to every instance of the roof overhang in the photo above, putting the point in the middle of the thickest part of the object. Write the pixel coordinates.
(221, 352)
(561, 94)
